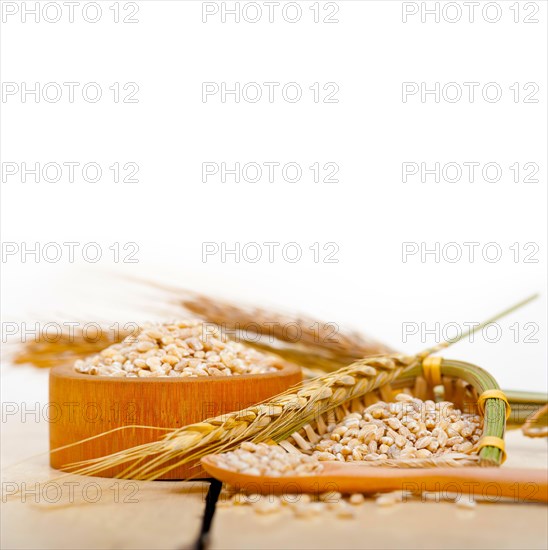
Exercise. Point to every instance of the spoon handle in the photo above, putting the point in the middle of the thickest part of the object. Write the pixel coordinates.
(517, 484)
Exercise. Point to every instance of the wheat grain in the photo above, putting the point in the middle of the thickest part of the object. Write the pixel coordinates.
(356, 499)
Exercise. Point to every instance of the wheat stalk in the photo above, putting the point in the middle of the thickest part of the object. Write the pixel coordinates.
(69, 346)
(319, 345)
(274, 420)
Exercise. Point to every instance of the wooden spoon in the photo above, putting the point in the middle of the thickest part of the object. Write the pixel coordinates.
(492, 483)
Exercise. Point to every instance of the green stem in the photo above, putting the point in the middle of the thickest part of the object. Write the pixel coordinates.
(479, 327)
(526, 397)
(524, 404)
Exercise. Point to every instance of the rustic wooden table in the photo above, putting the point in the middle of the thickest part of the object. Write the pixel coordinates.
(94, 513)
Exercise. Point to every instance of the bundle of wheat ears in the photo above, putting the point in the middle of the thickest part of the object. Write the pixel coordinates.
(368, 370)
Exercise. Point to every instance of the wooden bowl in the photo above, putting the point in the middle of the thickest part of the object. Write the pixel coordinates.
(83, 405)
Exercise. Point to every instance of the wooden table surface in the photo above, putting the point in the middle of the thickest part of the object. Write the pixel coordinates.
(168, 515)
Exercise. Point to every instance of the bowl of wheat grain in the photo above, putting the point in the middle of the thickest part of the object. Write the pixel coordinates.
(166, 376)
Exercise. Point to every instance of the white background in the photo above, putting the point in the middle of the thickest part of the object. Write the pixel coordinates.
(369, 133)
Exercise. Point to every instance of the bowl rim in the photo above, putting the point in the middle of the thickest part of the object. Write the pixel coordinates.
(284, 368)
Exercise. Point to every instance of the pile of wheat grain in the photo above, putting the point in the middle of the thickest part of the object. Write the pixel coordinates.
(408, 428)
(178, 349)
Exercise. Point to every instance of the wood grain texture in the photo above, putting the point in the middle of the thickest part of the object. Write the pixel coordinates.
(82, 406)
